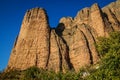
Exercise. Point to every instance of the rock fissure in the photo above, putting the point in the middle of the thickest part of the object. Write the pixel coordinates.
(67, 57)
(60, 53)
(49, 50)
(90, 53)
(70, 45)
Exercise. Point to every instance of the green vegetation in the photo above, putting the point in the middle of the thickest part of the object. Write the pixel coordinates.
(34, 73)
(11, 75)
(107, 69)
(109, 49)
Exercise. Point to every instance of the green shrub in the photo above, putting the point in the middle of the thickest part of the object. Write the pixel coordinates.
(109, 49)
(32, 73)
(11, 75)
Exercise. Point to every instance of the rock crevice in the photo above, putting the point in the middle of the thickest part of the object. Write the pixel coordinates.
(70, 45)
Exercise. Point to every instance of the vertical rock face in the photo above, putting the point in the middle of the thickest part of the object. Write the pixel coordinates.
(70, 45)
(32, 46)
(112, 14)
(54, 59)
(59, 56)
(82, 16)
(81, 32)
(96, 20)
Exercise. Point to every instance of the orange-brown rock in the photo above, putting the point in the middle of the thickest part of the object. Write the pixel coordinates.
(59, 54)
(82, 16)
(112, 14)
(91, 22)
(70, 45)
(96, 20)
(32, 46)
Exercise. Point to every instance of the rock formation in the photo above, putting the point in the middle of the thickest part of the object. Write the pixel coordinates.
(70, 45)
(32, 45)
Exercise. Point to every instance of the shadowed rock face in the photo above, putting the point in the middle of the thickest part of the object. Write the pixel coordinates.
(70, 45)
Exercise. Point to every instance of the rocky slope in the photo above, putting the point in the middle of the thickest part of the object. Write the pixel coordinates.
(70, 45)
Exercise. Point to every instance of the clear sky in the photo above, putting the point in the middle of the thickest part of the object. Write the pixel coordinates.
(12, 13)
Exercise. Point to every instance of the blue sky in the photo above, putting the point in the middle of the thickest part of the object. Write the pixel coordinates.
(12, 13)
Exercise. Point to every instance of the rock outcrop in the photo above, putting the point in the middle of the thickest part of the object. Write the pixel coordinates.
(70, 45)
(32, 45)
(112, 14)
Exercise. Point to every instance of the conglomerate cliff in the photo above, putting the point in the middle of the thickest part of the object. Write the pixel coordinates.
(70, 46)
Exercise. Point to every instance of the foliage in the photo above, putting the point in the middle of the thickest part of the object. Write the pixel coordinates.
(109, 49)
(107, 69)
(34, 73)
(109, 45)
(31, 73)
(11, 75)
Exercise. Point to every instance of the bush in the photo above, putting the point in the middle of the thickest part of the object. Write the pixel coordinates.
(11, 75)
(109, 49)
(32, 73)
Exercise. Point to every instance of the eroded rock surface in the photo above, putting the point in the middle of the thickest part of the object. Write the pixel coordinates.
(68, 47)
(32, 46)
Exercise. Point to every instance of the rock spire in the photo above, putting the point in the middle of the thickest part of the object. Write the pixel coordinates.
(70, 45)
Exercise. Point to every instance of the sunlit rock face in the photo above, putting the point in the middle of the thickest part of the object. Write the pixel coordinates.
(68, 47)
(32, 45)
